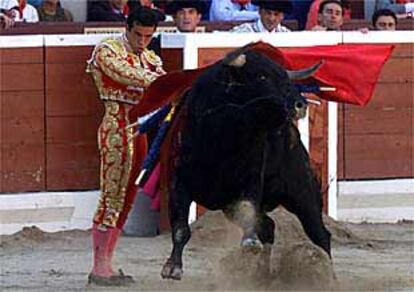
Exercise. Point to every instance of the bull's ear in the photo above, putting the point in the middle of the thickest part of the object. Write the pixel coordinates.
(237, 58)
(304, 73)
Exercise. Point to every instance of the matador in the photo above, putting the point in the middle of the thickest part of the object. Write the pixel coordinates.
(122, 68)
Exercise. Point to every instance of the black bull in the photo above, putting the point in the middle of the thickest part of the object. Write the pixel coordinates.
(241, 153)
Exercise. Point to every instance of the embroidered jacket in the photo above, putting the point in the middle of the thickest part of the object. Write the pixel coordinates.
(120, 74)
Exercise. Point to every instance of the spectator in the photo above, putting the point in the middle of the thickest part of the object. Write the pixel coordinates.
(233, 10)
(330, 15)
(108, 10)
(396, 6)
(271, 14)
(187, 14)
(51, 10)
(160, 5)
(9, 10)
(5, 21)
(384, 19)
(27, 13)
(312, 19)
(133, 4)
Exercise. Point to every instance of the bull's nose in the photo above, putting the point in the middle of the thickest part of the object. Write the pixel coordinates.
(300, 109)
(300, 105)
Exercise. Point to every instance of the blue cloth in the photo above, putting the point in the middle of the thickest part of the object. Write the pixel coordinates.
(154, 120)
(35, 3)
(391, 5)
(307, 88)
(154, 151)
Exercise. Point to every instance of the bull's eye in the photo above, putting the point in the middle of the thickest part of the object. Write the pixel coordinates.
(262, 77)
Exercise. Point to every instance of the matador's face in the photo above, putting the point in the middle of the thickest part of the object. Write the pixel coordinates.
(139, 37)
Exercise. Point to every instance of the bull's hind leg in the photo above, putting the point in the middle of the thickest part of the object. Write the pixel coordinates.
(303, 195)
(265, 229)
(310, 215)
(244, 215)
(179, 208)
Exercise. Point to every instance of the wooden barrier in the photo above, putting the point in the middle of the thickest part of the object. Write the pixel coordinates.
(50, 113)
(72, 115)
(49, 117)
(22, 130)
(378, 140)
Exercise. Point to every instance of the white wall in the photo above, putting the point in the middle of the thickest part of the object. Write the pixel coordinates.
(376, 201)
(51, 212)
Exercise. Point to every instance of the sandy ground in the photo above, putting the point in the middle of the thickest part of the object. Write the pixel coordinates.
(364, 257)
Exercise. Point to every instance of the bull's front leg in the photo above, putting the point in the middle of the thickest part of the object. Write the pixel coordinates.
(247, 218)
(179, 208)
(254, 195)
(245, 212)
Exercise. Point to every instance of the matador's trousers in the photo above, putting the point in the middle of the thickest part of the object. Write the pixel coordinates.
(121, 158)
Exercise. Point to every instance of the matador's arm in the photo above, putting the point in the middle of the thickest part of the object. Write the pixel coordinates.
(120, 70)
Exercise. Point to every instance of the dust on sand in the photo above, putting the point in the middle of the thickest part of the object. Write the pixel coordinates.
(364, 257)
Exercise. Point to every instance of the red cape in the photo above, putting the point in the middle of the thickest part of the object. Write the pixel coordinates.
(352, 69)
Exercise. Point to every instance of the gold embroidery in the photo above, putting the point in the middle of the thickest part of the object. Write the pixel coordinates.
(120, 70)
(110, 58)
(116, 45)
(152, 58)
(130, 74)
(116, 156)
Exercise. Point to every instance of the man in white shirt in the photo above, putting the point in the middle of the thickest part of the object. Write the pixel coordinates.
(28, 13)
(271, 12)
(233, 10)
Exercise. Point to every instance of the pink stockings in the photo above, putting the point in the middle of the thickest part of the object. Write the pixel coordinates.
(103, 243)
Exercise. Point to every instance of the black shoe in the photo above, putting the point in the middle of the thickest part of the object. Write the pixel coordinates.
(115, 280)
(126, 278)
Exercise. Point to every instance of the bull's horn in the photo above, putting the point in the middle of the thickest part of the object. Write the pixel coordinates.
(304, 73)
(237, 57)
(239, 61)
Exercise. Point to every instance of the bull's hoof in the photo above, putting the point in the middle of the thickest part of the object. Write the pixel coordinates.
(251, 245)
(171, 271)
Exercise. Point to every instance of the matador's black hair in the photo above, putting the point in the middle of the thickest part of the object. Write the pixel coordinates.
(145, 16)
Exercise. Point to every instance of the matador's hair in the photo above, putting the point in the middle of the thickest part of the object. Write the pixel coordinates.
(145, 16)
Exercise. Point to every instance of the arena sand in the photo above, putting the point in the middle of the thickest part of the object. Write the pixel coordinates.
(373, 257)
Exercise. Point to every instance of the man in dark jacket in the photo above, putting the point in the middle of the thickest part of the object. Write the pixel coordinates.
(107, 10)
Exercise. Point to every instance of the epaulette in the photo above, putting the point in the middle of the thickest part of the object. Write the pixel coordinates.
(153, 58)
(115, 45)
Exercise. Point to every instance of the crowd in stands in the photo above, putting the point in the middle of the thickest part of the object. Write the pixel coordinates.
(260, 16)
